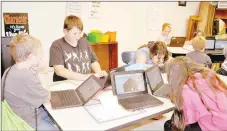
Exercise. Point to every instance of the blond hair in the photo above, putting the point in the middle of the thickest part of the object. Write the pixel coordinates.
(177, 79)
(73, 21)
(198, 43)
(165, 25)
(22, 45)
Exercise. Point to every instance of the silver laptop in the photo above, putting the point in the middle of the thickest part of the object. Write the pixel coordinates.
(77, 97)
(156, 83)
(210, 46)
(220, 44)
(131, 90)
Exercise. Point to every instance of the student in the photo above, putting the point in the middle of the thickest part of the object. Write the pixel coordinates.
(197, 33)
(72, 56)
(165, 36)
(199, 95)
(199, 44)
(149, 54)
(23, 89)
(223, 69)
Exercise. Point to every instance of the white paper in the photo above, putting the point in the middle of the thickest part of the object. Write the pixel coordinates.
(102, 114)
(154, 19)
(95, 10)
(74, 8)
(109, 101)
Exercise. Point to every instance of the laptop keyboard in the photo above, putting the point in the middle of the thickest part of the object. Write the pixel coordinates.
(68, 97)
(139, 101)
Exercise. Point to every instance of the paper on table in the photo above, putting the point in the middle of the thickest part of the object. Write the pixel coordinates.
(109, 101)
(108, 109)
(102, 114)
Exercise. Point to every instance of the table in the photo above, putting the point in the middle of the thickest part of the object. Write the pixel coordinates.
(182, 51)
(78, 118)
(224, 78)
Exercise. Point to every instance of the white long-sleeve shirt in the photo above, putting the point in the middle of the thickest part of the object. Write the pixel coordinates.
(164, 38)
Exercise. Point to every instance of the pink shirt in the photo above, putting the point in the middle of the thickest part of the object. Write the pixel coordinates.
(195, 111)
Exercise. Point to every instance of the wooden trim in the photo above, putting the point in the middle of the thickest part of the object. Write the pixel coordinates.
(100, 43)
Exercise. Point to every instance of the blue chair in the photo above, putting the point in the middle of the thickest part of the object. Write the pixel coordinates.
(128, 56)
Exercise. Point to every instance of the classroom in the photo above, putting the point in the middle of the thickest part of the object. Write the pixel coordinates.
(105, 65)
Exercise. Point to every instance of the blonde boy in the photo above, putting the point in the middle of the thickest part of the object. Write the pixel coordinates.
(198, 55)
(23, 89)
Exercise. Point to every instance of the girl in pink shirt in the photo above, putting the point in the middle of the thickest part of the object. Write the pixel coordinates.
(199, 94)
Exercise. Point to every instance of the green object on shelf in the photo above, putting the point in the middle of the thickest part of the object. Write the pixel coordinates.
(95, 36)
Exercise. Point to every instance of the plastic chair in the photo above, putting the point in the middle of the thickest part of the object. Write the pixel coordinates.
(128, 56)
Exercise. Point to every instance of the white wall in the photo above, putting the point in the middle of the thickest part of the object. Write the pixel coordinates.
(129, 19)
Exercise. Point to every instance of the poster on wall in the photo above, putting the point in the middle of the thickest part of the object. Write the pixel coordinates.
(15, 23)
(74, 8)
(95, 10)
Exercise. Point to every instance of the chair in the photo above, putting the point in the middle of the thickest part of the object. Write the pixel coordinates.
(128, 56)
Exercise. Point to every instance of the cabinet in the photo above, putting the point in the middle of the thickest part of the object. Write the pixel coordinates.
(107, 53)
(220, 13)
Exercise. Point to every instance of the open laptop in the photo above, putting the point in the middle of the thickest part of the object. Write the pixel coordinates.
(106, 81)
(77, 97)
(156, 83)
(177, 42)
(220, 44)
(210, 46)
(131, 90)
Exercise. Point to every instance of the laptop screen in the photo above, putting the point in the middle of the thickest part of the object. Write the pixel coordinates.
(88, 88)
(210, 44)
(155, 78)
(219, 44)
(129, 83)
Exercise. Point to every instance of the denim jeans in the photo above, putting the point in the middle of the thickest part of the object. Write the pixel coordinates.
(45, 123)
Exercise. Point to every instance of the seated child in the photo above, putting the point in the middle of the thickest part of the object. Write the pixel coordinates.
(198, 55)
(151, 54)
(199, 95)
(223, 69)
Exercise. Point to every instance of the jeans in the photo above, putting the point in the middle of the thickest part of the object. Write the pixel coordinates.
(45, 123)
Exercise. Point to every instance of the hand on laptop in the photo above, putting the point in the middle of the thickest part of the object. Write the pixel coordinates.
(101, 74)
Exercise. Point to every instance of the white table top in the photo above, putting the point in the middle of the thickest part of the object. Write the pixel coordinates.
(224, 78)
(177, 50)
(78, 118)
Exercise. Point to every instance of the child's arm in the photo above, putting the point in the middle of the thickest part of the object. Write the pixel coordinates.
(209, 62)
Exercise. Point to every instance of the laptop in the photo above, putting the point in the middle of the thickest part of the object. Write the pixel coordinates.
(177, 42)
(106, 81)
(77, 97)
(220, 44)
(131, 90)
(156, 83)
(210, 46)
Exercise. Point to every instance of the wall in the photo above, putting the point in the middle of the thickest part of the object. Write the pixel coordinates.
(129, 19)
